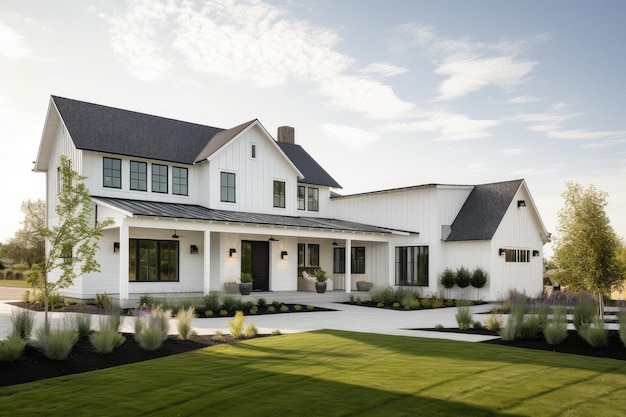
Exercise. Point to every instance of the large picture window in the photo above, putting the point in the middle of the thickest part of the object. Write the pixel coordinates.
(227, 187)
(159, 178)
(112, 172)
(153, 260)
(279, 194)
(313, 199)
(412, 265)
(138, 176)
(357, 260)
(180, 181)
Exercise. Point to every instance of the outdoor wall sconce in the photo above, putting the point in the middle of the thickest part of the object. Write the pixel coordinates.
(232, 253)
(535, 252)
(521, 203)
(116, 247)
(193, 249)
(334, 243)
(501, 251)
(284, 256)
(271, 239)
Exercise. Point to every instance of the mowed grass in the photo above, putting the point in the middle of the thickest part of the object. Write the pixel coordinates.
(335, 373)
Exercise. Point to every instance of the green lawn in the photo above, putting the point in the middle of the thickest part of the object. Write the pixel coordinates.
(333, 373)
(14, 283)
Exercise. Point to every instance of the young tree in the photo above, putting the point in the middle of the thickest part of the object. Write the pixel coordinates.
(28, 245)
(72, 241)
(586, 243)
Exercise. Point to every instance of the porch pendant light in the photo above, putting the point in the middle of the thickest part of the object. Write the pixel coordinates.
(175, 236)
(271, 239)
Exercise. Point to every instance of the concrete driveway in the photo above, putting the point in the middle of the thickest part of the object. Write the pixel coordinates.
(11, 293)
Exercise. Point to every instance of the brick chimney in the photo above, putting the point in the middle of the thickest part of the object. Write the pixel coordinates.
(286, 134)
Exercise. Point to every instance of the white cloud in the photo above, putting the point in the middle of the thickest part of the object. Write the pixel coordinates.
(513, 151)
(12, 44)
(585, 134)
(353, 139)
(524, 99)
(384, 70)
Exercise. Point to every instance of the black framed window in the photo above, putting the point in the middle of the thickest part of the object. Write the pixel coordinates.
(301, 197)
(111, 172)
(253, 151)
(301, 252)
(313, 198)
(412, 265)
(279, 194)
(357, 260)
(517, 255)
(138, 176)
(314, 255)
(159, 178)
(153, 260)
(180, 181)
(227, 187)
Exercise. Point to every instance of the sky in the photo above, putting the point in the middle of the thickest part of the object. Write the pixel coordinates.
(383, 94)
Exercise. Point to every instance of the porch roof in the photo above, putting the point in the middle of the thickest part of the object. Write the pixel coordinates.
(198, 212)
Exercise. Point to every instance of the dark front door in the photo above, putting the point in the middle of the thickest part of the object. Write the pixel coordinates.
(255, 260)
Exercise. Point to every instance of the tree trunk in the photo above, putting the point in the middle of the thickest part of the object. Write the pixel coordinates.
(601, 305)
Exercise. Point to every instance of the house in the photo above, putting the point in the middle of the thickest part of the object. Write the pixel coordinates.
(194, 206)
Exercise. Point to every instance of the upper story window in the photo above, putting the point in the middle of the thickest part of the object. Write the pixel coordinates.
(313, 199)
(279, 194)
(159, 178)
(112, 172)
(180, 181)
(301, 197)
(253, 151)
(227, 187)
(138, 176)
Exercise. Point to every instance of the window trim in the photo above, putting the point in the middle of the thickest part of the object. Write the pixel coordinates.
(112, 170)
(138, 173)
(160, 175)
(180, 178)
(280, 203)
(227, 187)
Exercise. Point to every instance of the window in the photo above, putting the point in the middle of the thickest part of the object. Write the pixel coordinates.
(253, 151)
(313, 199)
(357, 260)
(517, 255)
(59, 180)
(138, 176)
(279, 194)
(159, 178)
(301, 254)
(153, 260)
(301, 197)
(314, 255)
(227, 187)
(412, 265)
(180, 181)
(112, 173)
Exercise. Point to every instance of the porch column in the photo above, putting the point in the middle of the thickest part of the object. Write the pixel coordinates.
(124, 252)
(207, 262)
(348, 266)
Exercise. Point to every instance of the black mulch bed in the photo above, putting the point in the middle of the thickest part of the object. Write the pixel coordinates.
(573, 343)
(33, 366)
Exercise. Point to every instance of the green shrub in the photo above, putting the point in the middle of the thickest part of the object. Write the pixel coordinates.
(22, 322)
(407, 299)
(595, 334)
(152, 327)
(439, 327)
(462, 277)
(555, 331)
(450, 303)
(352, 300)
(396, 305)
(477, 325)
(11, 348)
(184, 322)
(478, 278)
(384, 295)
(276, 332)
(211, 301)
(82, 324)
(542, 311)
(621, 317)
(55, 344)
(494, 322)
(310, 307)
(426, 303)
(297, 307)
(261, 302)
(380, 304)
(223, 312)
(26, 297)
(103, 301)
(236, 325)
(108, 337)
(530, 327)
(447, 278)
(463, 316)
(276, 304)
(509, 332)
(218, 336)
(415, 304)
(271, 309)
(284, 308)
(585, 311)
(208, 313)
(187, 303)
(251, 330)
(230, 303)
(254, 310)
(437, 302)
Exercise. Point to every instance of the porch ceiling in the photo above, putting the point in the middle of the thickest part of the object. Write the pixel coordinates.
(197, 212)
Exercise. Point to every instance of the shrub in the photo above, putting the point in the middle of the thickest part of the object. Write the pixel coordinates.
(450, 303)
(82, 324)
(621, 317)
(187, 303)
(276, 332)
(151, 328)
(271, 309)
(510, 330)
(439, 327)
(223, 313)
(254, 310)
(276, 303)
(236, 325)
(383, 295)
(208, 313)
(380, 304)
(462, 277)
(251, 330)
(108, 337)
(595, 334)
(261, 302)
(22, 322)
(407, 299)
(26, 297)
(184, 322)
(11, 348)
(530, 327)
(56, 344)
(494, 322)
(310, 307)
(284, 308)
(415, 304)
(584, 312)
(297, 307)
(463, 316)
(147, 302)
(447, 279)
(232, 304)
(437, 302)
(426, 303)
(211, 301)
(396, 305)
(218, 336)
(555, 331)
(478, 278)
(103, 301)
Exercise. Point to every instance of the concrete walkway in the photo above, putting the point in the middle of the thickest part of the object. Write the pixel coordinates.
(345, 317)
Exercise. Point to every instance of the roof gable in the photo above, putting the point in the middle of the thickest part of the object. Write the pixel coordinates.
(483, 211)
(313, 173)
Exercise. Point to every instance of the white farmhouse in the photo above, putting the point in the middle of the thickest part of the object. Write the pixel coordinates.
(195, 206)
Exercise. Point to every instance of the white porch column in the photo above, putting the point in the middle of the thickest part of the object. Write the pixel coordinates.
(124, 252)
(348, 266)
(207, 261)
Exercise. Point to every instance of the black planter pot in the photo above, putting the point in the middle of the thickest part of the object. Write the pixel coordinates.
(320, 287)
(245, 288)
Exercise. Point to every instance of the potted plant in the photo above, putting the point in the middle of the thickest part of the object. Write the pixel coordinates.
(231, 286)
(245, 288)
(364, 285)
(320, 281)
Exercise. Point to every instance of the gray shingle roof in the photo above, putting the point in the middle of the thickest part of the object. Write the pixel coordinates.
(483, 211)
(313, 173)
(106, 129)
(197, 212)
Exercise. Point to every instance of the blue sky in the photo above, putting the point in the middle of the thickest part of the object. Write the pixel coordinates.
(382, 94)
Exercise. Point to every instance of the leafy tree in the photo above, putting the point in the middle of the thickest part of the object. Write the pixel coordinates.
(586, 244)
(462, 278)
(478, 279)
(72, 240)
(28, 245)
(448, 279)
